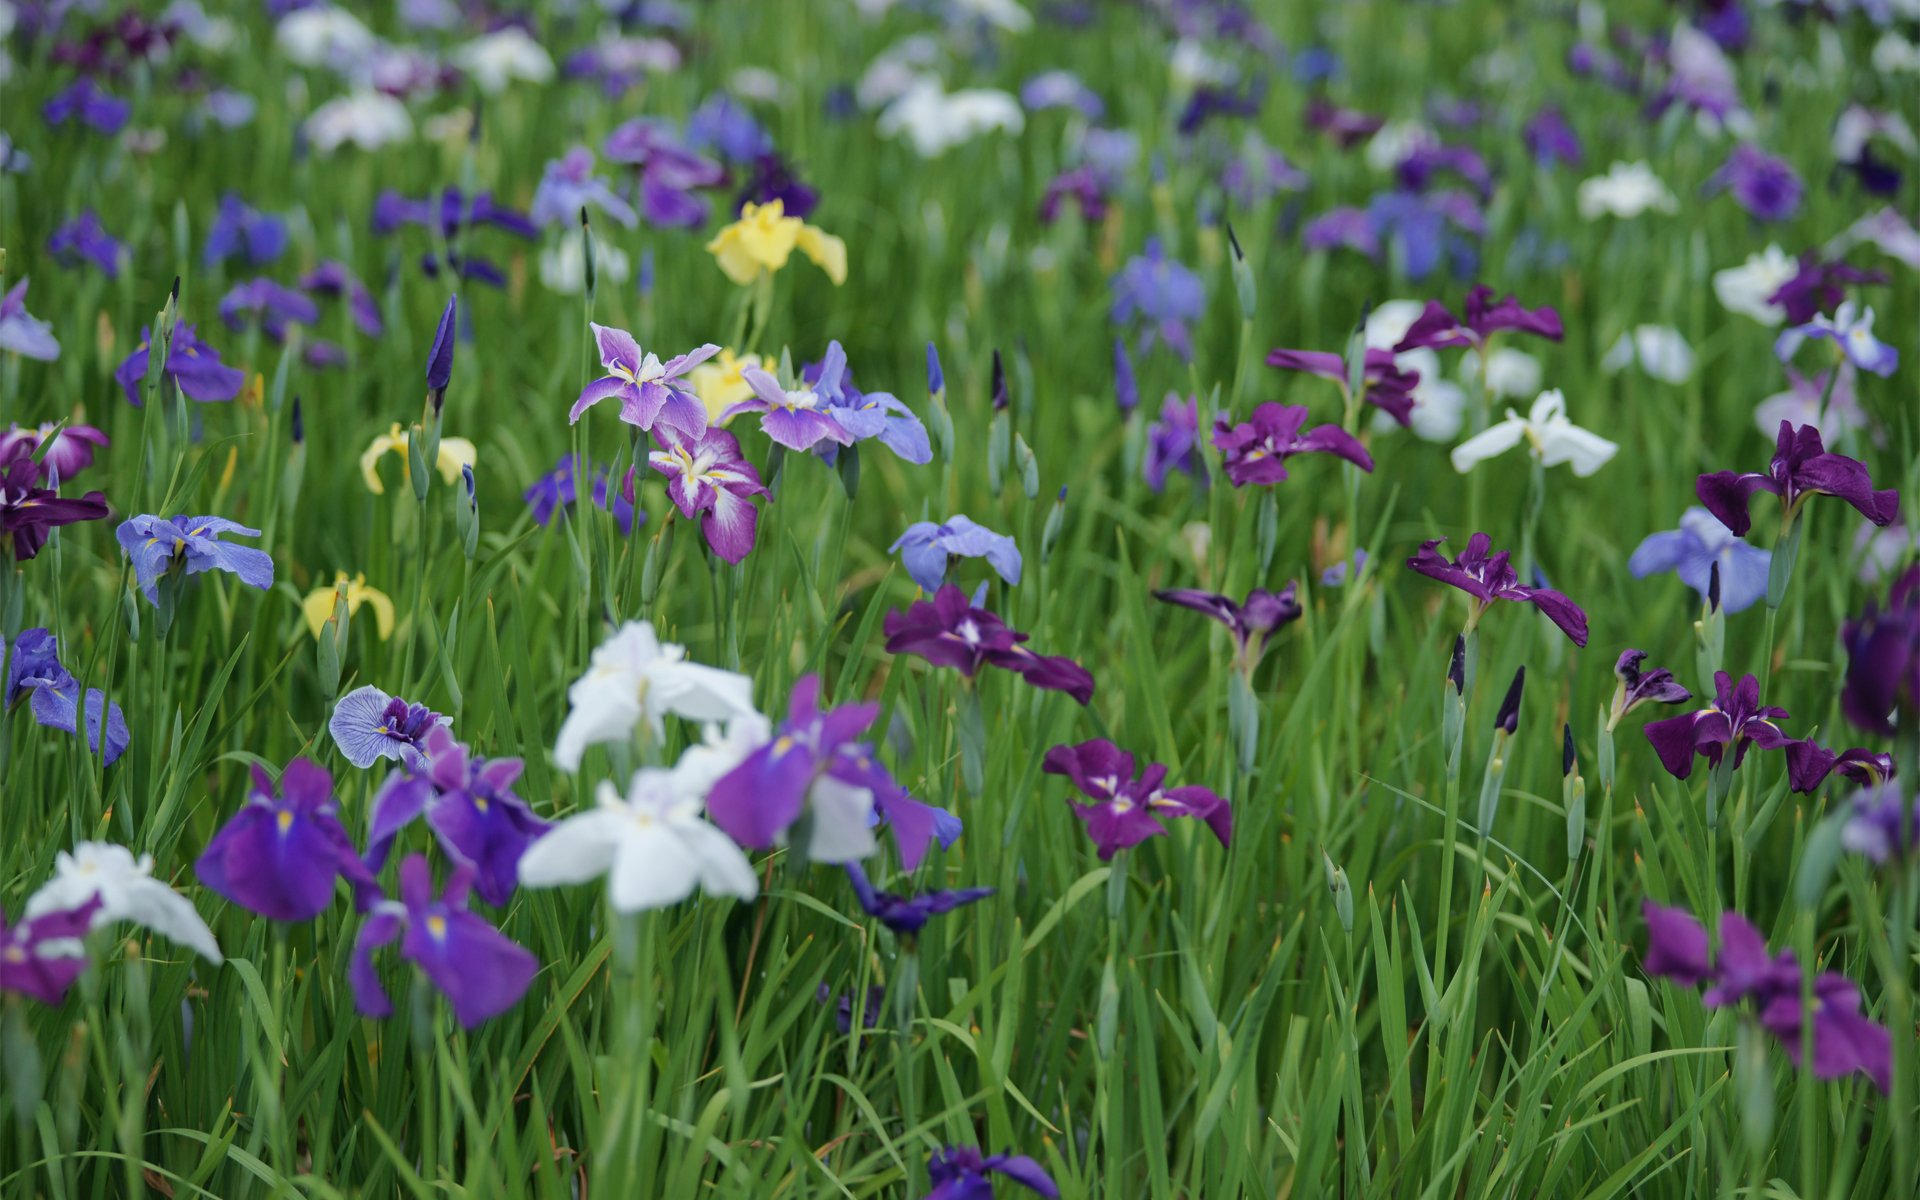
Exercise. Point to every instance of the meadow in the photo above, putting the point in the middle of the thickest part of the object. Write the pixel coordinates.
(959, 599)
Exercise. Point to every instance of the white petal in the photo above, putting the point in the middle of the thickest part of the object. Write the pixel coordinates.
(1495, 440)
(700, 693)
(605, 709)
(1588, 452)
(841, 833)
(171, 915)
(578, 849)
(652, 869)
(724, 869)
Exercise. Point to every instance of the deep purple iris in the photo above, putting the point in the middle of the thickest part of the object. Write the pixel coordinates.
(948, 631)
(332, 278)
(469, 803)
(1127, 810)
(481, 971)
(1883, 658)
(1250, 622)
(1384, 383)
(1801, 467)
(1255, 451)
(280, 854)
(1488, 577)
(28, 510)
(1766, 186)
(1736, 720)
(963, 1173)
(556, 490)
(1883, 823)
(908, 915)
(43, 956)
(1439, 328)
(1819, 287)
(1639, 687)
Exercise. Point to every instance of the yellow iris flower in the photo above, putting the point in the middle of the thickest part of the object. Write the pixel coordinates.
(455, 452)
(765, 237)
(318, 606)
(718, 382)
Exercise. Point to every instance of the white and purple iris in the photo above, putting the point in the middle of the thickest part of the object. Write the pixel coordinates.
(651, 393)
(369, 725)
(709, 478)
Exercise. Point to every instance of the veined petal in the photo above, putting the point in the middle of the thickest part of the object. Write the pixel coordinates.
(1491, 442)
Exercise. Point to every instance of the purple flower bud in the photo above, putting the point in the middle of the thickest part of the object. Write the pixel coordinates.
(999, 383)
(1566, 750)
(1509, 716)
(440, 358)
(936, 378)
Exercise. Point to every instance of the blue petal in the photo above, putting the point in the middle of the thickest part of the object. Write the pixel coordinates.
(1660, 552)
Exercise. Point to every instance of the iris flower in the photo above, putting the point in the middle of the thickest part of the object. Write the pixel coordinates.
(634, 678)
(157, 545)
(708, 477)
(1691, 552)
(569, 185)
(1250, 622)
(319, 604)
(1128, 810)
(455, 453)
(1637, 687)
(126, 890)
(1486, 577)
(948, 631)
(926, 548)
(332, 278)
(765, 237)
(1255, 451)
(194, 367)
(881, 416)
(42, 956)
(961, 1172)
(469, 803)
(908, 915)
(21, 331)
(1549, 435)
(1171, 440)
(1877, 827)
(71, 452)
(555, 490)
(280, 854)
(1801, 468)
(1161, 297)
(239, 230)
(34, 673)
(796, 418)
(651, 393)
(83, 101)
(1736, 721)
(1384, 384)
(1883, 658)
(369, 725)
(83, 240)
(1766, 186)
(28, 510)
(1438, 328)
(480, 970)
(1851, 329)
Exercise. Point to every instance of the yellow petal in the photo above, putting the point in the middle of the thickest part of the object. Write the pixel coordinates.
(455, 452)
(394, 439)
(827, 251)
(317, 607)
(382, 608)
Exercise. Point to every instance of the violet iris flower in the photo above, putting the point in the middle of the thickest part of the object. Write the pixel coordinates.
(948, 631)
(1877, 827)
(1735, 720)
(1061, 89)
(469, 803)
(1171, 440)
(555, 490)
(651, 393)
(1438, 328)
(1161, 296)
(1346, 126)
(927, 548)
(28, 510)
(1256, 450)
(450, 212)
(1810, 764)
(481, 971)
(908, 915)
(84, 239)
(1384, 383)
(41, 957)
(1767, 187)
(1637, 687)
(725, 126)
(708, 477)
(1850, 329)
(241, 230)
(669, 172)
(70, 454)
(1087, 187)
(274, 304)
(86, 103)
(842, 1005)
(21, 331)
(569, 185)
(1251, 623)
(34, 671)
(280, 854)
(1551, 140)
(1801, 468)
(156, 545)
(1818, 287)
(877, 415)
(369, 725)
(801, 418)
(333, 278)
(1844, 1041)
(1487, 577)
(769, 178)
(1127, 811)
(194, 366)
(1691, 552)
(961, 1173)
(1883, 658)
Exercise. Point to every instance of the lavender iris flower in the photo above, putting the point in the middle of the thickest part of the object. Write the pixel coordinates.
(1127, 810)
(908, 915)
(70, 454)
(669, 171)
(333, 278)
(1736, 721)
(1767, 187)
(21, 331)
(1487, 577)
(241, 230)
(28, 510)
(280, 854)
(1883, 659)
(927, 548)
(1126, 391)
(725, 126)
(369, 725)
(569, 185)
(157, 545)
(42, 956)
(1250, 622)
(555, 490)
(708, 477)
(34, 673)
(481, 971)
(876, 415)
(1438, 328)
(84, 239)
(961, 1173)
(1851, 329)
(449, 212)
(194, 366)
(651, 393)
(1061, 89)
(1691, 552)
(1877, 827)
(1171, 440)
(1255, 451)
(801, 418)
(83, 101)
(1801, 468)
(1384, 383)
(274, 305)
(948, 631)
(469, 803)
(1161, 296)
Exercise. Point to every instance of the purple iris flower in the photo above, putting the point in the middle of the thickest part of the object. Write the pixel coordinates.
(28, 510)
(70, 454)
(1212, 100)
(555, 490)
(669, 171)
(21, 331)
(1085, 185)
(1882, 823)
(274, 304)
(469, 803)
(877, 415)
(157, 545)
(927, 548)
(450, 212)
(1818, 287)
(481, 971)
(842, 1005)
(1735, 720)
(1061, 89)
(1417, 170)
(86, 103)
(332, 278)
(1551, 140)
(1639, 687)
(1161, 296)
(908, 915)
(708, 477)
(34, 672)
(1439, 328)
(43, 956)
(758, 801)
(1384, 383)
(1693, 550)
(651, 393)
(1883, 658)
(948, 631)
(797, 419)
(241, 230)
(1171, 440)
(1343, 228)
(725, 126)
(194, 366)
(1801, 468)
(1810, 764)
(769, 178)
(84, 239)
(1850, 329)
(569, 185)
(961, 1173)
(1844, 1041)
(1767, 187)
(1418, 229)
(1127, 811)
(369, 725)
(1126, 391)
(1346, 126)
(1250, 622)
(1488, 577)
(280, 854)
(1256, 450)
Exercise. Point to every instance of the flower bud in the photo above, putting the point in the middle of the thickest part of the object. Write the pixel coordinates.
(466, 516)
